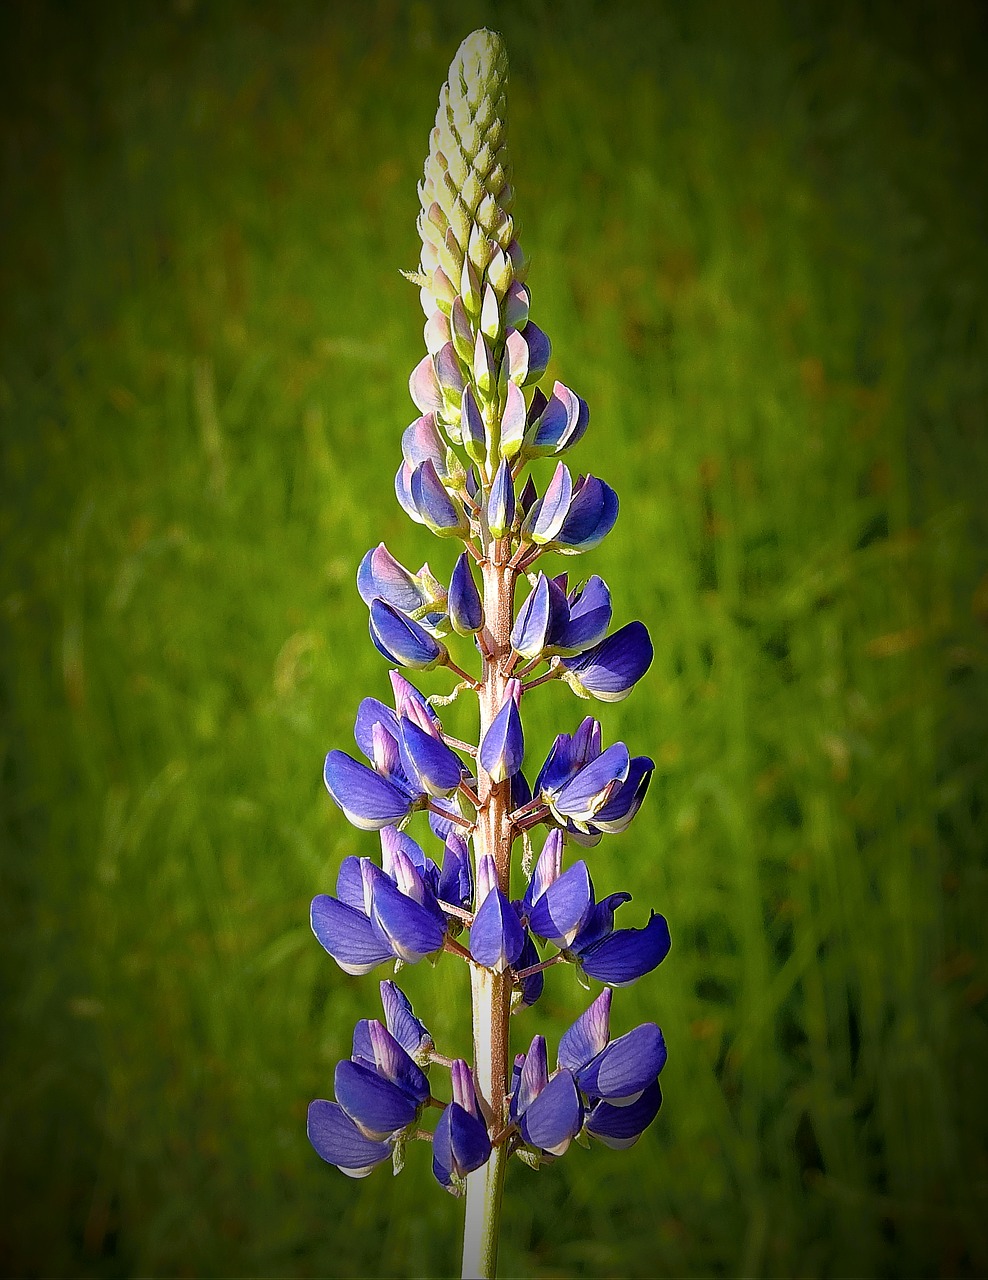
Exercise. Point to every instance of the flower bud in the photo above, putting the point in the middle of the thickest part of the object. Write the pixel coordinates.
(501, 503)
(466, 609)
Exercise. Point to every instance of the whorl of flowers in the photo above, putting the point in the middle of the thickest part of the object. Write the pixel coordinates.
(482, 419)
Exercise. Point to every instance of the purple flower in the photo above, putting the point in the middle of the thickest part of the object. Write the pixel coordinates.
(589, 791)
(624, 955)
(455, 884)
(503, 747)
(482, 420)
(497, 937)
(382, 1094)
(472, 423)
(422, 494)
(562, 909)
(421, 442)
(556, 424)
(619, 1070)
(460, 1143)
(588, 615)
(400, 1020)
(530, 988)
(378, 916)
(381, 576)
(592, 511)
(544, 613)
(526, 352)
(368, 800)
(611, 669)
(427, 759)
(501, 503)
(466, 609)
(621, 1127)
(548, 515)
(559, 912)
(547, 1109)
(339, 1141)
(584, 794)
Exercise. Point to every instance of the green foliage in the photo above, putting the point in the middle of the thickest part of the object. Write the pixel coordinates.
(757, 237)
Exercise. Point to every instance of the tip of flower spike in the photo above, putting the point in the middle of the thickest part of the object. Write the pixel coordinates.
(479, 63)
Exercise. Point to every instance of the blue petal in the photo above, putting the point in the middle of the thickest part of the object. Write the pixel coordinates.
(403, 492)
(610, 669)
(403, 640)
(368, 800)
(555, 1117)
(589, 616)
(347, 935)
(626, 1066)
(350, 884)
(381, 575)
(563, 908)
(434, 505)
(548, 868)
(539, 350)
(413, 930)
(395, 842)
(497, 937)
(588, 1035)
(588, 792)
(591, 515)
(532, 986)
(410, 1033)
(620, 1127)
(411, 703)
(530, 633)
(363, 1048)
(561, 423)
(422, 442)
(466, 609)
(501, 503)
(456, 881)
(429, 760)
(338, 1140)
(460, 1144)
(600, 922)
(532, 1079)
(442, 827)
(626, 954)
(369, 713)
(626, 800)
(559, 766)
(472, 426)
(394, 1063)
(380, 1107)
(521, 792)
(544, 521)
(503, 747)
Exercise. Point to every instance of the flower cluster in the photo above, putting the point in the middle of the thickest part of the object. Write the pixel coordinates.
(464, 475)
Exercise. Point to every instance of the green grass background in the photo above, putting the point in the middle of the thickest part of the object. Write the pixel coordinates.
(758, 243)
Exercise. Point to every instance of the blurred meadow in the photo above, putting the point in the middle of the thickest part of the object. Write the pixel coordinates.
(758, 242)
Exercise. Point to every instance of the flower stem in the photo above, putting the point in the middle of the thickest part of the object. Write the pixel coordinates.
(485, 1186)
(491, 992)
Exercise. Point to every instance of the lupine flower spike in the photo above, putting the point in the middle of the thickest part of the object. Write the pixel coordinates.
(514, 623)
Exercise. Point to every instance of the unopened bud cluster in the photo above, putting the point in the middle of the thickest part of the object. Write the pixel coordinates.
(482, 418)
